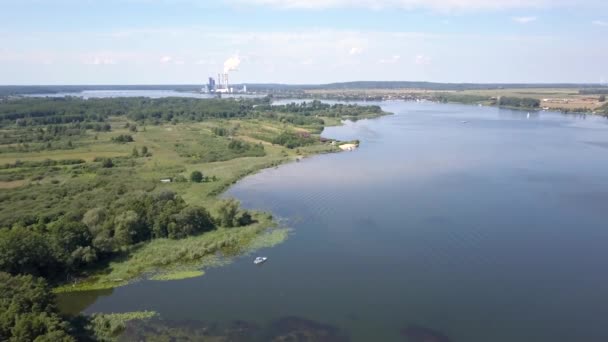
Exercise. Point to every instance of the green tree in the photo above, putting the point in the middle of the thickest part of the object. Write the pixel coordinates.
(68, 241)
(24, 251)
(107, 163)
(190, 221)
(28, 312)
(243, 218)
(135, 152)
(227, 212)
(127, 228)
(196, 176)
(144, 151)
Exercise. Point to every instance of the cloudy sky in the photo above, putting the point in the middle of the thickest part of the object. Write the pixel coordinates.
(302, 41)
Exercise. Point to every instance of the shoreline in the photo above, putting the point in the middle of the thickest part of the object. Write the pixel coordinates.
(267, 232)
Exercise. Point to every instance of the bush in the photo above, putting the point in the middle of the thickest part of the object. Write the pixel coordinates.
(180, 179)
(292, 139)
(190, 221)
(230, 214)
(196, 176)
(122, 139)
(107, 163)
(602, 98)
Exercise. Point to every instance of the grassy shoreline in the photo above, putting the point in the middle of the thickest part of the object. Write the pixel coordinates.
(167, 259)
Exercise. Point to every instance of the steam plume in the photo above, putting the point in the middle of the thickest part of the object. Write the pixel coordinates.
(232, 64)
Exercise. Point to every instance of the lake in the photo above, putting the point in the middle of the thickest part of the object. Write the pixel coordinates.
(449, 223)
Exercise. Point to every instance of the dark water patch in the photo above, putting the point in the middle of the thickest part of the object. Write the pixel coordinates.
(286, 329)
(298, 329)
(416, 333)
(74, 303)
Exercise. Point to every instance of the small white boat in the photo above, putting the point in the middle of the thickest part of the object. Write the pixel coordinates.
(464, 122)
(260, 260)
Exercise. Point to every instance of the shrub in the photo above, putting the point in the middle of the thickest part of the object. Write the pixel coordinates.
(196, 176)
(122, 139)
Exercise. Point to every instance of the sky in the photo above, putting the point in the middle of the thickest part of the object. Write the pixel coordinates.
(302, 41)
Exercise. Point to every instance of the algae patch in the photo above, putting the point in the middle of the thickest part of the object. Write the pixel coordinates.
(178, 275)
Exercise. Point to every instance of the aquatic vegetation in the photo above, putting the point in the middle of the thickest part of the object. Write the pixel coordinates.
(166, 259)
(177, 275)
(283, 329)
(300, 329)
(108, 327)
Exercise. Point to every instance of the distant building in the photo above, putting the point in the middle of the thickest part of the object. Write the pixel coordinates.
(211, 86)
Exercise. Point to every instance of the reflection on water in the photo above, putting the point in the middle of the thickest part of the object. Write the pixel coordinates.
(415, 333)
(494, 230)
(75, 302)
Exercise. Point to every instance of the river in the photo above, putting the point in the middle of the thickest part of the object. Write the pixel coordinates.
(450, 222)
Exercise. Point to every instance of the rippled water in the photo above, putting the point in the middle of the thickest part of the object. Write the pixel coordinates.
(434, 230)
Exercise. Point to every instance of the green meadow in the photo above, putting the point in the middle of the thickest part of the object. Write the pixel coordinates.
(99, 193)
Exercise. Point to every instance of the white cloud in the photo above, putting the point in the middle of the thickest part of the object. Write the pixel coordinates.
(442, 5)
(422, 60)
(524, 20)
(600, 23)
(166, 59)
(391, 60)
(355, 51)
(102, 61)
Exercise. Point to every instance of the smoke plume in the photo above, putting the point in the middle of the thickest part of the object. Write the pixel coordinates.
(232, 64)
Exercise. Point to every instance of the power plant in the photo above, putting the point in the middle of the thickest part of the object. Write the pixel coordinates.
(222, 85)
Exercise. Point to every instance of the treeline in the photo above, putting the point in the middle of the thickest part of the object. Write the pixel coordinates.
(50, 133)
(42, 163)
(318, 108)
(460, 98)
(68, 244)
(594, 91)
(45, 111)
(518, 102)
(93, 113)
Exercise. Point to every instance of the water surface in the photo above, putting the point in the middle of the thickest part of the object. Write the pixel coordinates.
(489, 230)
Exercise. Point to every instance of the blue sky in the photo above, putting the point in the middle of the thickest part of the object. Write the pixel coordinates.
(302, 41)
